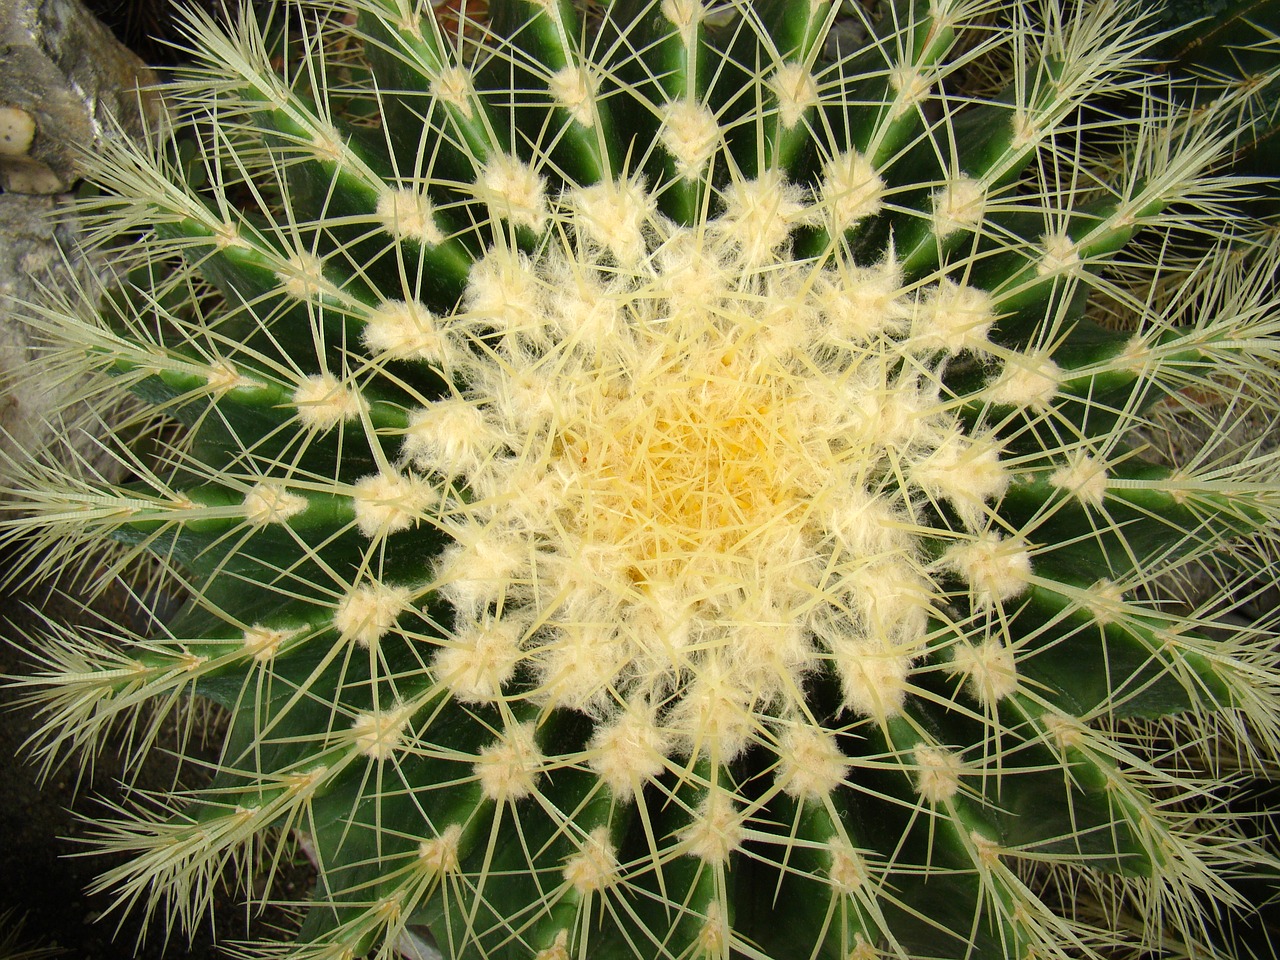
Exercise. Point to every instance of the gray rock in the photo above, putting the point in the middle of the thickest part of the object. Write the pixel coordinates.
(65, 84)
(42, 412)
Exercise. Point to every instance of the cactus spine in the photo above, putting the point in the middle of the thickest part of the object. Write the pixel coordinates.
(670, 483)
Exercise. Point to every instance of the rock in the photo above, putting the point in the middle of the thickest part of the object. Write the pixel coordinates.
(17, 130)
(65, 84)
(40, 411)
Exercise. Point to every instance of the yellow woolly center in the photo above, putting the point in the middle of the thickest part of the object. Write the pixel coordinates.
(694, 463)
(691, 474)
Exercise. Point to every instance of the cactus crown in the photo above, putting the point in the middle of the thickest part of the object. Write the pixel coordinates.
(691, 480)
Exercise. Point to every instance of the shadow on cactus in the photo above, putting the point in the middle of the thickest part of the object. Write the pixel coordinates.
(698, 480)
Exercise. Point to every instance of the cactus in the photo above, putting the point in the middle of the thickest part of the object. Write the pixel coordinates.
(687, 480)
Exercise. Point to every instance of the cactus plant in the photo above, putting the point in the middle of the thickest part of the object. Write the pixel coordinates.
(684, 479)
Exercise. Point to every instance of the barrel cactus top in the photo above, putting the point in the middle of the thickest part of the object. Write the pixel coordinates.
(679, 479)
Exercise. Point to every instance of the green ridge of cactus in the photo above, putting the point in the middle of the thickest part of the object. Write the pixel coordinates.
(688, 480)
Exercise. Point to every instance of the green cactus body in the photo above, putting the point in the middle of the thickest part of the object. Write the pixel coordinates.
(661, 485)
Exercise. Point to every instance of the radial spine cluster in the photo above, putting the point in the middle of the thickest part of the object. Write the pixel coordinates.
(679, 480)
